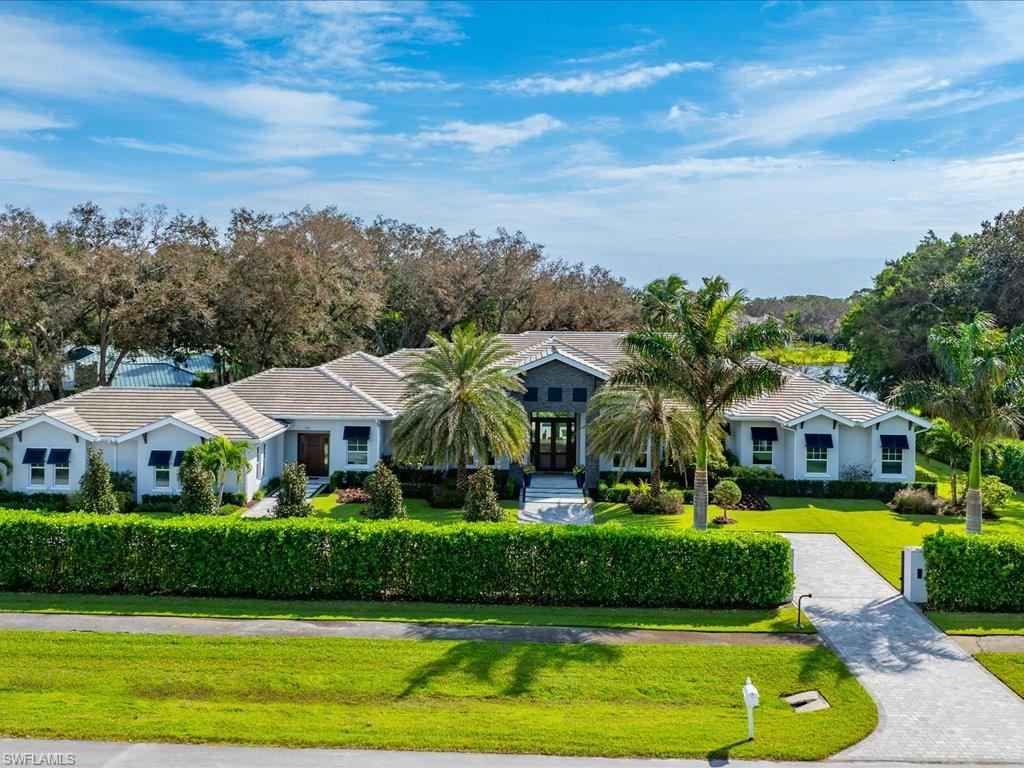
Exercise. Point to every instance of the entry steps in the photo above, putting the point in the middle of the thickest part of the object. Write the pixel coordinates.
(553, 489)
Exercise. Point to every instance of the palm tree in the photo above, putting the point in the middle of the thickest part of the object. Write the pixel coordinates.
(5, 463)
(979, 392)
(626, 420)
(703, 356)
(219, 456)
(950, 446)
(659, 298)
(458, 405)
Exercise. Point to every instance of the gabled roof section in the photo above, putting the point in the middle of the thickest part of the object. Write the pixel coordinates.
(554, 349)
(111, 412)
(802, 397)
(372, 376)
(62, 418)
(306, 392)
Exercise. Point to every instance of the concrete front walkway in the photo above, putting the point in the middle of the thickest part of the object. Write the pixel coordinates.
(555, 499)
(101, 754)
(935, 702)
(265, 507)
(388, 630)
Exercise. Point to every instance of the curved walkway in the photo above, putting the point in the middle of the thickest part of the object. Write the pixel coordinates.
(935, 702)
(389, 630)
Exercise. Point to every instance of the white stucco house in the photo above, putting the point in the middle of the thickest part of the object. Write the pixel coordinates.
(338, 416)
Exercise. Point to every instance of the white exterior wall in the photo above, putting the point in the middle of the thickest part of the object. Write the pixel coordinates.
(893, 426)
(854, 450)
(818, 425)
(166, 438)
(336, 448)
(45, 436)
(743, 445)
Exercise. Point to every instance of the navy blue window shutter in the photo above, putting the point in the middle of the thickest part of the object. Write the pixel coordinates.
(159, 458)
(59, 456)
(895, 441)
(356, 433)
(818, 440)
(579, 394)
(34, 456)
(554, 394)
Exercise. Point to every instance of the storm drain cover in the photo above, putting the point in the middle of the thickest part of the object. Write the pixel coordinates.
(806, 701)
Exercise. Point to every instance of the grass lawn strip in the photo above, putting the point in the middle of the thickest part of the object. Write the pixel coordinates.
(971, 623)
(656, 701)
(782, 619)
(1008, 667)
(326, 506)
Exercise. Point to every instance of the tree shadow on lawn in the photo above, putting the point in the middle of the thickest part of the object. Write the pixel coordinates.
(483, 660)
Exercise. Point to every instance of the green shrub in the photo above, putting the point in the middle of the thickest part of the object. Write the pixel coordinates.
(481, 500)
(665, 503)
(291, 501)
(96, 492)
(994, 495)
(385, 494)
(752, 473)
(396, 560)
(273, 484)
(1005, 459)
(827, 489)
(726, 494)
(974, 573)
(347, 478)
(155, 503)
(197, 496)
(123, 481)
(447, 497)
(915, 501)
(418, 490)
(54, 502)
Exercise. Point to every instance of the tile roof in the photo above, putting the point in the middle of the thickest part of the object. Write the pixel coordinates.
(110, 412)
(373, 376)
(295, 392)
(802, 395)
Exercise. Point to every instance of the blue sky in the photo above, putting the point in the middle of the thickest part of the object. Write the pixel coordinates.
(792, 147)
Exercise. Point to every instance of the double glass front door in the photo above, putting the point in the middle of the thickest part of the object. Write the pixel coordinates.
(554, 442)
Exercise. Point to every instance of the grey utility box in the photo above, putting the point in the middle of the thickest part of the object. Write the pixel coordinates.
(912, 578)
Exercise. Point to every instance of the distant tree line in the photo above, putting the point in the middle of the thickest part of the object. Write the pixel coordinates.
(942, 281)
(289, 289)
(810, 318)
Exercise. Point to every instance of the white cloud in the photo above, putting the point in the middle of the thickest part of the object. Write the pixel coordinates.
(20, 169)
(619, 53)
(17, 120)
(164, 148)
(269, 175)
(485, 137)
(762, 75)
(599, 83)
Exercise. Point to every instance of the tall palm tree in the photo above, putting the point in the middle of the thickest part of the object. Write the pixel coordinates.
(703, 356)
(458, 405)
(627, 419)
(659, 298)
(979, 392)
(219, 456)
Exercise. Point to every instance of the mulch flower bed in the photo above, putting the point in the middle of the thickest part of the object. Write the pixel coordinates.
(351, 496)
(753, 502)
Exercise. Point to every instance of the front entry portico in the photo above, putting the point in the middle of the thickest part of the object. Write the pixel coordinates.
(553, 441)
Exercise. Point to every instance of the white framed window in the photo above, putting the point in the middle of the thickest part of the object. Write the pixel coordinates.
(892, 461)
(817, 461)
(641, 461)
(62, 475)
(162, 476)
(37, 475)
(357, 451)
(764, 452)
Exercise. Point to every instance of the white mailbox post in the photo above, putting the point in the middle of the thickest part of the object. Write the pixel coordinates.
(915, 588)
(752, 699)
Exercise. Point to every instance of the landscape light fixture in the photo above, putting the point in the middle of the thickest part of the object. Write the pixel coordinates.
(799, 610)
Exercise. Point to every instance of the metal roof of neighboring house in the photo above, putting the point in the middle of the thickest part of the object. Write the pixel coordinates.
(297, 392)
(141, 369)
(110, 412)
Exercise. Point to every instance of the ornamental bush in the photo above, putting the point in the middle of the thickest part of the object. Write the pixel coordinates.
(385, 494)
(916, 501)
(974, 573)
(665, 503)
(197, 496)
(96, 492)
(291, 500)
(393, 560)
(994, 495)
(481, 500)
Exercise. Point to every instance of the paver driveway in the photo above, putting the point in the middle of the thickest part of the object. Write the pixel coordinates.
(935, 702)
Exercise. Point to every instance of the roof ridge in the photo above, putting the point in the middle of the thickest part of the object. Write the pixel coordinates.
(373, 359)
(354, 389)
(208, 394)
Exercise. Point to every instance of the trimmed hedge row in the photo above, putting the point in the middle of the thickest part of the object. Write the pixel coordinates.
(826, 489)
(407, 560)
(974, 573)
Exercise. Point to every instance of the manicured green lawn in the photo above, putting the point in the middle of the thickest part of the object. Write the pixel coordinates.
(971, 623)
(417, 509)
(871, 529)
(1008, 667)
(655, 700)
(781, 619)
(806, 354)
